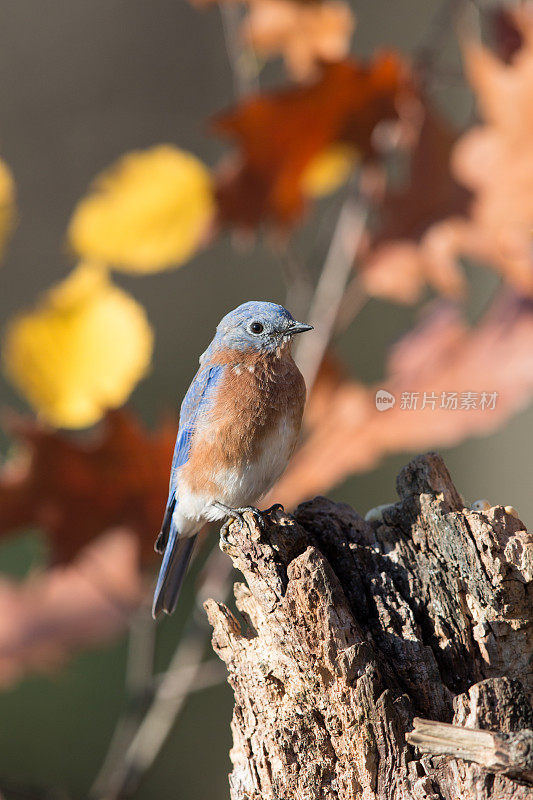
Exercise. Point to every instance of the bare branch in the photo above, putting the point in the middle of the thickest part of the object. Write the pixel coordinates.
(330, 289)
(298, 282)
(185, 673)
(353, 301)
(242, 58)
(139, 690)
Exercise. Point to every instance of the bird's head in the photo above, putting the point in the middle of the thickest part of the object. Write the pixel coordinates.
(259, 326)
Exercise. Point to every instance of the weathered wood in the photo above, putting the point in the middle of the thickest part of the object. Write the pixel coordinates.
(510, 753)
(351, 628)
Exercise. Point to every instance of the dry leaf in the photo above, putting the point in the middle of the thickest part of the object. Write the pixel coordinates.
(304, 33)
(280, 133)
(147, 212)
(396, 267)
(447, 241)
(76, 487)
(495, 161)
(81, 351)
(441, 355)
(50, 615)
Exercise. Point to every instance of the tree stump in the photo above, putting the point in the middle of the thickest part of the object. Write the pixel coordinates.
(351, 629)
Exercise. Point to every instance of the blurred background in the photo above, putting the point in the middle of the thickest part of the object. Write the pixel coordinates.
(81, 85)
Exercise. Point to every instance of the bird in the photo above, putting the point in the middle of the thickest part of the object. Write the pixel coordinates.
(238, 427)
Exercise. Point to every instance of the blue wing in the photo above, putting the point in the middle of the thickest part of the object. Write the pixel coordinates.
(196, 400)
(178, 551)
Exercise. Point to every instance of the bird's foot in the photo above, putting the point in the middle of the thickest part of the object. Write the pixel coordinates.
(237, 514)
(224, 532)
(270, 510)
(256, 514)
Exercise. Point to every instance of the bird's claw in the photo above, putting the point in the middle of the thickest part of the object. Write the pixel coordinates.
(237, 515)
(271, 509)
(259, 517)
(256, 514)
(224, 531)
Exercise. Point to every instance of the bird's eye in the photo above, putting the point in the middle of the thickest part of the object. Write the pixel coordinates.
(256, 327)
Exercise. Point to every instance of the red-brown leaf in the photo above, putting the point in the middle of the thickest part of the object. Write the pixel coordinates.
(279, 133)
(395, 266)
(75, 487)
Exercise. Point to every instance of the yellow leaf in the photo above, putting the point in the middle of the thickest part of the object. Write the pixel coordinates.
(7, 194)
(329, 170)
(81, 351)
(148, 212)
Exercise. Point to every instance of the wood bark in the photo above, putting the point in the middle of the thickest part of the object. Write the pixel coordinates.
(346, 630)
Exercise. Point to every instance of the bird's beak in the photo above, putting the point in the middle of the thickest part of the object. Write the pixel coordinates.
(300, 327)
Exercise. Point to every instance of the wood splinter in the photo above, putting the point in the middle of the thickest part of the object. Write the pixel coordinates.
(508, 753)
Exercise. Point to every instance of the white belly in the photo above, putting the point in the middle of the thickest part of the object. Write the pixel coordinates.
(240, 486)
(245, 487)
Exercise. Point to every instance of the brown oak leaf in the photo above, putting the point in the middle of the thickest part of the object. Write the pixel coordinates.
(396, 267)
(494, 160)
(74, 487)
(279, 133)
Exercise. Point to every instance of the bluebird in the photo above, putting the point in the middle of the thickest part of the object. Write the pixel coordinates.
(239, 423)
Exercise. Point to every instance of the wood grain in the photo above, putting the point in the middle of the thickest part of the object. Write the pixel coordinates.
(350, 629)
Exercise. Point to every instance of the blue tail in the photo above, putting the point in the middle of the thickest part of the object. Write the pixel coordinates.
(178, 553)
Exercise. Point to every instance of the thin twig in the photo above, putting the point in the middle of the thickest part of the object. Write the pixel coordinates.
(242, 58)
(139, 690)
(354, 300)
(330, 289)
(182, 676)
(158, 721)
(298, 283)
(211, 673)
(440, 26)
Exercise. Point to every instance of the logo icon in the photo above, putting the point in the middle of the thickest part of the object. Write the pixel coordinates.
(384, 400)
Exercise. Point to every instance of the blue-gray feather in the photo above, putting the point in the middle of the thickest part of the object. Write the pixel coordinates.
(197, 399)
(177, 552)
(233, 330)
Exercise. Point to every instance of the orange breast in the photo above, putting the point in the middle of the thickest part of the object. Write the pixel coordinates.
(258, 396)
